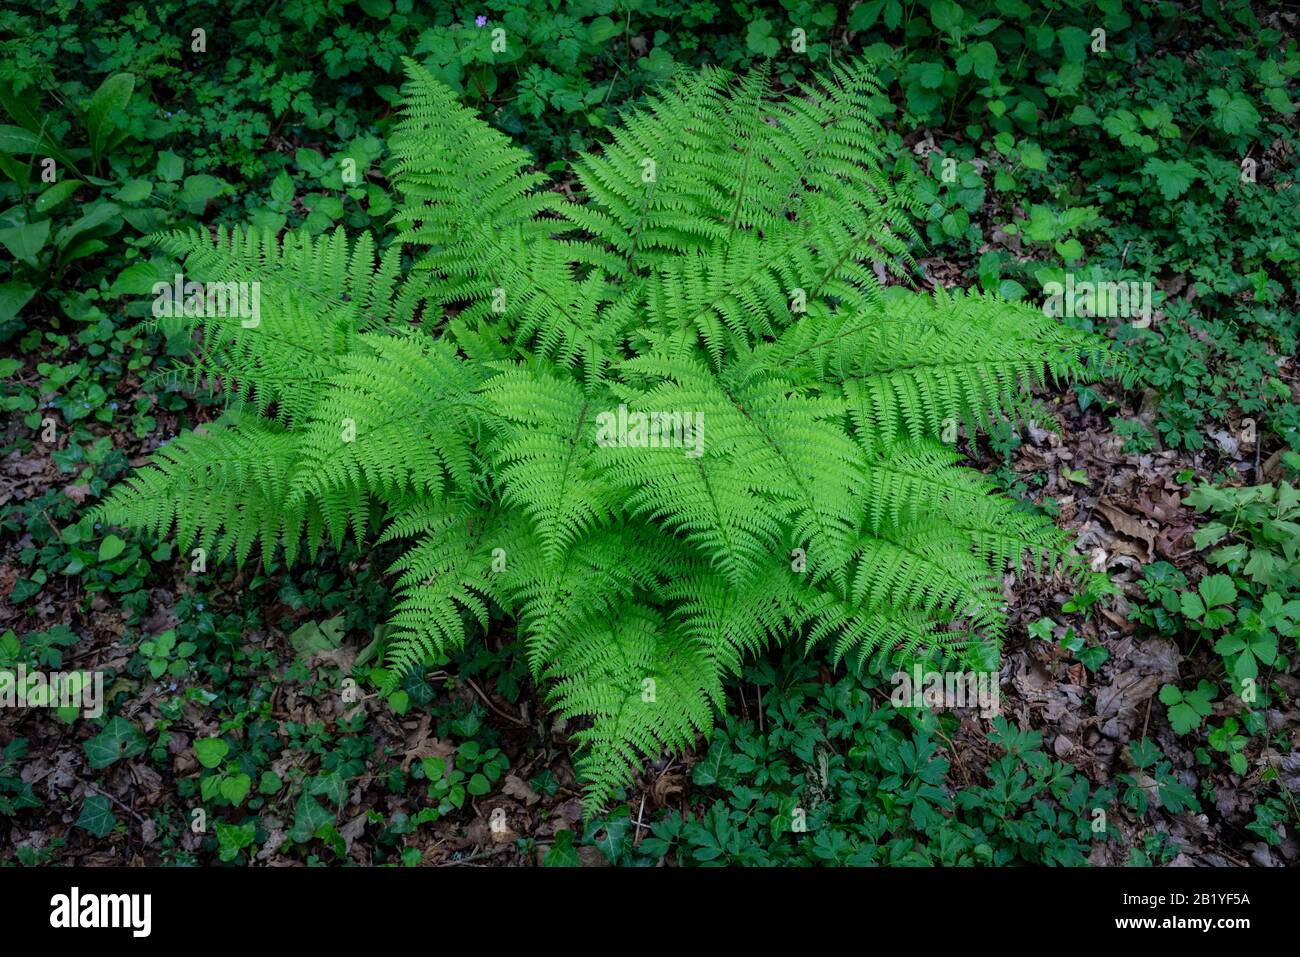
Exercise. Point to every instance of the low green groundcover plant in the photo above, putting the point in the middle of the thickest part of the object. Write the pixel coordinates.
(659, 424)
(831, 777)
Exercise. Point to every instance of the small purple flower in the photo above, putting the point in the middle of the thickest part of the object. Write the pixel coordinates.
(480, 21)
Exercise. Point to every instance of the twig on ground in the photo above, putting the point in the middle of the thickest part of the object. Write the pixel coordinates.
(488, 701)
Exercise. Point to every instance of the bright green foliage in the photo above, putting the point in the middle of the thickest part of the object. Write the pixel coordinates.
(721, 262)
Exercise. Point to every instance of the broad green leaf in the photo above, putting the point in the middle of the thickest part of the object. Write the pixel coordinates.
(20, 142)
(1217, 590)
(1209, 535)
(13, 296)
(1230, 644)
(135, 191)
(602, 29)
(99, 215)
(282, 187)
(1074, 42)
(102, 114)
(210, 751)
(26, 241)
(311, 637)
(56, 195)
(946, 16)
(170, 166)
(235, 787)
(1233, 113)
(1174, 178)
(198, 189)
(110, 548)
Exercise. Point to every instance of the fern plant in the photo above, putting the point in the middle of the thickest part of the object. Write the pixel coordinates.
(657, 423)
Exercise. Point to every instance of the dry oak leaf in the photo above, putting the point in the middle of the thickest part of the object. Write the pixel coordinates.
(516, 787)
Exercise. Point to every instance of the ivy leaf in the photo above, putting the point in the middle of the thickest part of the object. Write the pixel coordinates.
(233, 838)
(97, 816)
(609, 839)
(309, 816)
(119, 739)
(562, 852)
(1094, 657)
(329, 785)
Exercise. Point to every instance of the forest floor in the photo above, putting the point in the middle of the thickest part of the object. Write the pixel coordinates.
(1127, 505)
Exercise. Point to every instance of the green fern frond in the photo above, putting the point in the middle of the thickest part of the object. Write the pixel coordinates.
(446, 577)
(222, 490)
(544, 457)
(396, 419)
(658, 427)
(646, 685)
